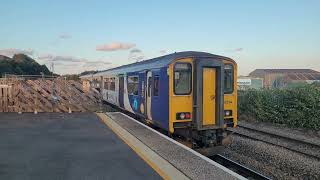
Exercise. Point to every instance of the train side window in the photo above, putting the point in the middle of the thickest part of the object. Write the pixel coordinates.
(149, 86)
(112, 84)
(182, 78)
(106, 83)
(156, 85)
(133, 85)
(142, 89)
(228, 79)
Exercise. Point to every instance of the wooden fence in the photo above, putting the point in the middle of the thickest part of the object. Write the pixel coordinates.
(46, 95)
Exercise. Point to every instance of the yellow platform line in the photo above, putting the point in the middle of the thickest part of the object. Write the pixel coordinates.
(160, 165)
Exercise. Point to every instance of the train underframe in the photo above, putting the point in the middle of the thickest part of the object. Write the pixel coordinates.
(208, 142)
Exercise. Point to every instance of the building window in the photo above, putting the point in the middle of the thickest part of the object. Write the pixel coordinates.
(228, 78)
(156, 86)
(182, 78)
(133, 85)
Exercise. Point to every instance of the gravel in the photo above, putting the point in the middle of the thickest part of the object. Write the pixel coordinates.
(273, 161)
(292, 144)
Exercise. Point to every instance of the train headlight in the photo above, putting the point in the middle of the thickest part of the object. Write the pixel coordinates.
(227, 112)
(183, 116)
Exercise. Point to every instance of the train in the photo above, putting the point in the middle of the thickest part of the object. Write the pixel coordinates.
(187, 94)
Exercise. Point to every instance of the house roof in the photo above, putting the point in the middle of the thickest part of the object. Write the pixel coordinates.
(304, 76)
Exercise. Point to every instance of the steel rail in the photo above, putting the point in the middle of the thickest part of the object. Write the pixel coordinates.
(239, 168)
(279, 135)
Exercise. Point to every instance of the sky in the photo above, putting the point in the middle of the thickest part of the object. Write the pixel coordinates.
(95, 35)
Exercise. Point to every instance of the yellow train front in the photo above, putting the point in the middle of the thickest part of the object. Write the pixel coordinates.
(202, 108)
(190, 94)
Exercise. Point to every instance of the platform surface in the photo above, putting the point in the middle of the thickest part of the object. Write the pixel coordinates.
(192, 164)
(65, 146)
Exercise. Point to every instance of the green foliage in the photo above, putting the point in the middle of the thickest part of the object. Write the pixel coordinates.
(21, 64)
(316, 83)
(296, 107)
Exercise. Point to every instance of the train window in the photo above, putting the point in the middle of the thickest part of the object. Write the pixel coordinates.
(228, 78)
(133, 85)
(156, 86)
(112, 86)
(96, 83)
(142, 89)
(106, 83)
(149, 86)
(182, 78)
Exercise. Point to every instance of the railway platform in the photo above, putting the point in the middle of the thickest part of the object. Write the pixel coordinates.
(95, 146)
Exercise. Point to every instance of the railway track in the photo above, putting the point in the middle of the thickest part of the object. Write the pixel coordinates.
(238, 168)
(299, 146)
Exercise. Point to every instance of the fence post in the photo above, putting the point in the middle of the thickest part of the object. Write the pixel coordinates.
(36, 105)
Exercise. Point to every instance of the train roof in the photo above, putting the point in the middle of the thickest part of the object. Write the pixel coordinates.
(158, 62)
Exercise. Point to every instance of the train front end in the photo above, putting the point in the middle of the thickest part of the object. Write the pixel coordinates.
(197, 101)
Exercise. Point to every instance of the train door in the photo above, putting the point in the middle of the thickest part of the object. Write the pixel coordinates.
(148, 94)
(121, 91)
(209, 96)
(208, 93)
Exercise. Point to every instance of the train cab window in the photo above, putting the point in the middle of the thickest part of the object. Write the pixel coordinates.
(228, 79)
(182, 78)
(133, 85)
(156, 86)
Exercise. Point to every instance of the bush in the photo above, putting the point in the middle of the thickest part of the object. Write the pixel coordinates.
(296, 107)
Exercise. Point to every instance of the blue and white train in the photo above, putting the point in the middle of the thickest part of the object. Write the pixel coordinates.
(190, 94)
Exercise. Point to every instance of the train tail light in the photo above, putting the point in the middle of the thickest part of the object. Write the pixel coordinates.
(183, 116)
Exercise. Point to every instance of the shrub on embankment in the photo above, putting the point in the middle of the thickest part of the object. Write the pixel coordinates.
(296, 107)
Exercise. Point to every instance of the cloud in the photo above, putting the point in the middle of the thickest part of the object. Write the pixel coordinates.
(65, 36)
(238, 49)
(163, 51)
(135, 51)
(11, 51)
(97, 63)
(67, 60)
(71, 64)
(136, 55)
(115, 46)
(50, 57)
(235, 50)
(64, 64)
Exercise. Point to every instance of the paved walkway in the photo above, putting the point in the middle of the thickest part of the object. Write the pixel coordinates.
(65, 146)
